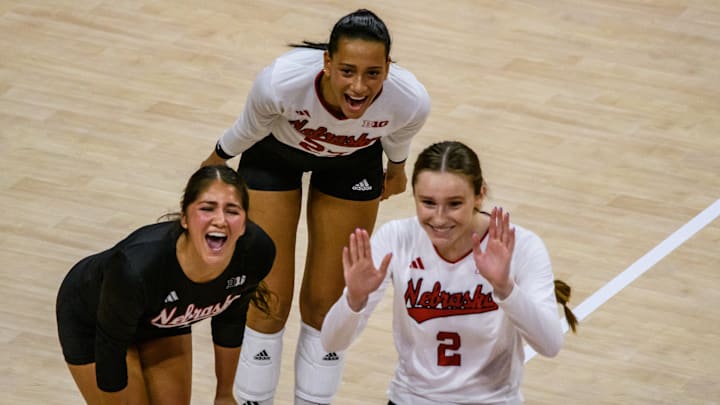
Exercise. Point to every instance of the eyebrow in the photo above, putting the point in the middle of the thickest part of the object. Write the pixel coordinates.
(451, 198)
(215, 203)
(343, 64)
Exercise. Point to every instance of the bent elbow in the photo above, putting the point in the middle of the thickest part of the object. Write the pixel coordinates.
(552, 351)
(552, 348)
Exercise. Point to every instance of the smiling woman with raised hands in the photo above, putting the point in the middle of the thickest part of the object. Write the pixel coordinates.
(469, 288)
(124, 315)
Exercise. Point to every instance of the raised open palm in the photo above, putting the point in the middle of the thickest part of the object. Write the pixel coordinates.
(361, 276)
(494, 262)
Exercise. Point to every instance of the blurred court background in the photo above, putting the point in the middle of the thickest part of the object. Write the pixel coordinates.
(597, 123)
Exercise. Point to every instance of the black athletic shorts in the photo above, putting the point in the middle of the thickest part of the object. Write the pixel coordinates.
(271, 165)
(76, 320)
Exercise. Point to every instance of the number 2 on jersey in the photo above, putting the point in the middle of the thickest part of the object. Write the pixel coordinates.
(450, 342)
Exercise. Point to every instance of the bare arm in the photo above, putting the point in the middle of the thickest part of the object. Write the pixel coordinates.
(226, 360)
(115, 398)
(213, 160)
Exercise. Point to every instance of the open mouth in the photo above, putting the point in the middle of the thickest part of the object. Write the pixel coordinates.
(216, 240)
(355, 102)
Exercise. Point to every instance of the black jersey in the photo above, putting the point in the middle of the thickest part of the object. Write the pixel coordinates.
(137, 291)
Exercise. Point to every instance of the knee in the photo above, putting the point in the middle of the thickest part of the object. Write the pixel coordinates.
(258, 370)
(270, 323)
(317, 373)
(313, 308)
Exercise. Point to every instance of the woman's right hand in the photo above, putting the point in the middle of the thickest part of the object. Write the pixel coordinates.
(213, 160)
(361, 276)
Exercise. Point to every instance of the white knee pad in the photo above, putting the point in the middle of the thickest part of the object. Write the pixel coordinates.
(258, 369)
(317, 372)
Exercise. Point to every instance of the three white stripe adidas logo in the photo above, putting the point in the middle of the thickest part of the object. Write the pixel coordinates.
(172, 297)
(362, 186)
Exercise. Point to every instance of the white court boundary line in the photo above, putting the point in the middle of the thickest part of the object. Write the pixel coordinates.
(642, 265)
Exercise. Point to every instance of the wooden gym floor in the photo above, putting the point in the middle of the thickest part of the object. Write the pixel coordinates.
(598, 123)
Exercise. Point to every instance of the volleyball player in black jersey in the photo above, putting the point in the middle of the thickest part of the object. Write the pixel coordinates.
(124, 314)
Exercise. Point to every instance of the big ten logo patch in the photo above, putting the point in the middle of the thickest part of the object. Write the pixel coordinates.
(374, 124)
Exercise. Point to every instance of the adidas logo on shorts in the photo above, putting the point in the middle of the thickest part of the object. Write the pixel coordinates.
(263, 355)
(362, 186)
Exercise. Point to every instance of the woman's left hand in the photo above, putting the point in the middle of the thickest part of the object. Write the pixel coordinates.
(225, 400)
(494, 262)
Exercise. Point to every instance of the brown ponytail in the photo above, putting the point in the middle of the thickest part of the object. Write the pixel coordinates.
(562, 295)
(262, 298)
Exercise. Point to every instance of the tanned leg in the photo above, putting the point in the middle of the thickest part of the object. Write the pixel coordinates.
(330, 222)
(167, 368)
(136, 391)
(278, 213)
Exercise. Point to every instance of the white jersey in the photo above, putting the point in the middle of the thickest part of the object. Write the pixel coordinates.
(456, 342)
(285, 101)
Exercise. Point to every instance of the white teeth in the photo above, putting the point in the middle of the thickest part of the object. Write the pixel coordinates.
(217, 234)
(357, 98)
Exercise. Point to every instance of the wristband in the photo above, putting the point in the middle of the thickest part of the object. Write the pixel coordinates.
(220, 152)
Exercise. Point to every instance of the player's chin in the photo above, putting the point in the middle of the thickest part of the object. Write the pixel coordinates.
(352, 114)
(214, 258)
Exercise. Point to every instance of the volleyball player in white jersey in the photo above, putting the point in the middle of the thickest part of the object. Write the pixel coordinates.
(469, 289)
(331, 111)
